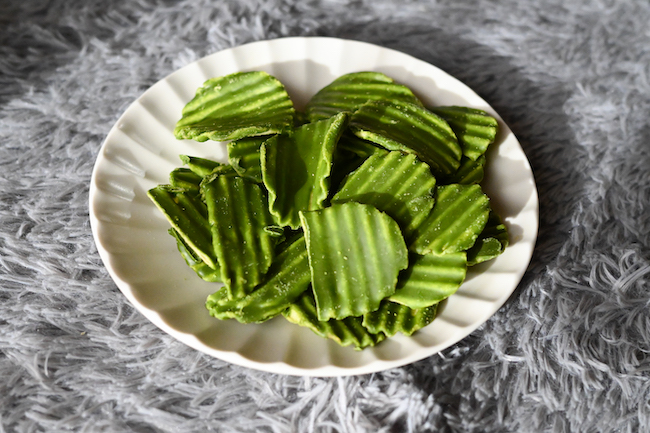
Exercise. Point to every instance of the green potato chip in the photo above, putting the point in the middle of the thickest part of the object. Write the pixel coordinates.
(430, 279)
(200, 166)
(361, 148)
(194, 261)
(235, 106)
(392, 318)
(454, 224)
(475, 129)
(188, 215)
(395, 183)
(350, 91)
(185, 179)
(492, 241)
(355, 255)
(346, 332)
(409, 128)
(296, 168)
(238, 215)
(288, 277)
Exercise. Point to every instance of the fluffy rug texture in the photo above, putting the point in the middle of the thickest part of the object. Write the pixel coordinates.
(569, 351)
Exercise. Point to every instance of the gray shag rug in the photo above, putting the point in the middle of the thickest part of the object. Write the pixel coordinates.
(570, 350)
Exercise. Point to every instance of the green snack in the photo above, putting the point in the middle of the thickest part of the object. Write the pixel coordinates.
(238, 105)
(200, 166)
(430, 279)
(244, 156)
(346, 332)
(355, 255)
(454, 224)
(392, 318)
(469, 172)
(288, 277)
(475, 129)
(194, 262)
(238, 214)
(187, 214)
(492, 241)
(296, 168)
(348, 92)
(395, 183)
(409, 128)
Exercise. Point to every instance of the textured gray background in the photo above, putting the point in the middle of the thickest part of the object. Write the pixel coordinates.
(570, 351)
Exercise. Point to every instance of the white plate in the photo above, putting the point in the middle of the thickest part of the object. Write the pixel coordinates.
(131, 235)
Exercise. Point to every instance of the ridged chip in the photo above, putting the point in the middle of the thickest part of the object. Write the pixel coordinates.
(234, 106)
(348, 92)
(355, 255)
(392, 318)
(238, 214)
(194, 262)
(474, 128)
(492, 241)
(185, 179)
(454, 224)
(430, 279)
(188, 215)
(346, 332)
(398, 184)
(288, 277)
(200, 166)
(469, 172)
(296, 168)
(409, 128)
(362, 148)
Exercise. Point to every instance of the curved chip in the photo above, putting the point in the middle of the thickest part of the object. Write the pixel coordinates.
(188, 215)
(346, 332)
(234, 106)
(395, 183)
(355, 255)
(296, 168)
(475, 129)
(409, 128)
(238, 214)
(492, 241)
(288, 277)
(348, 92)
(430, 279)
(454, 224)
(392, 318)
(194, 262)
